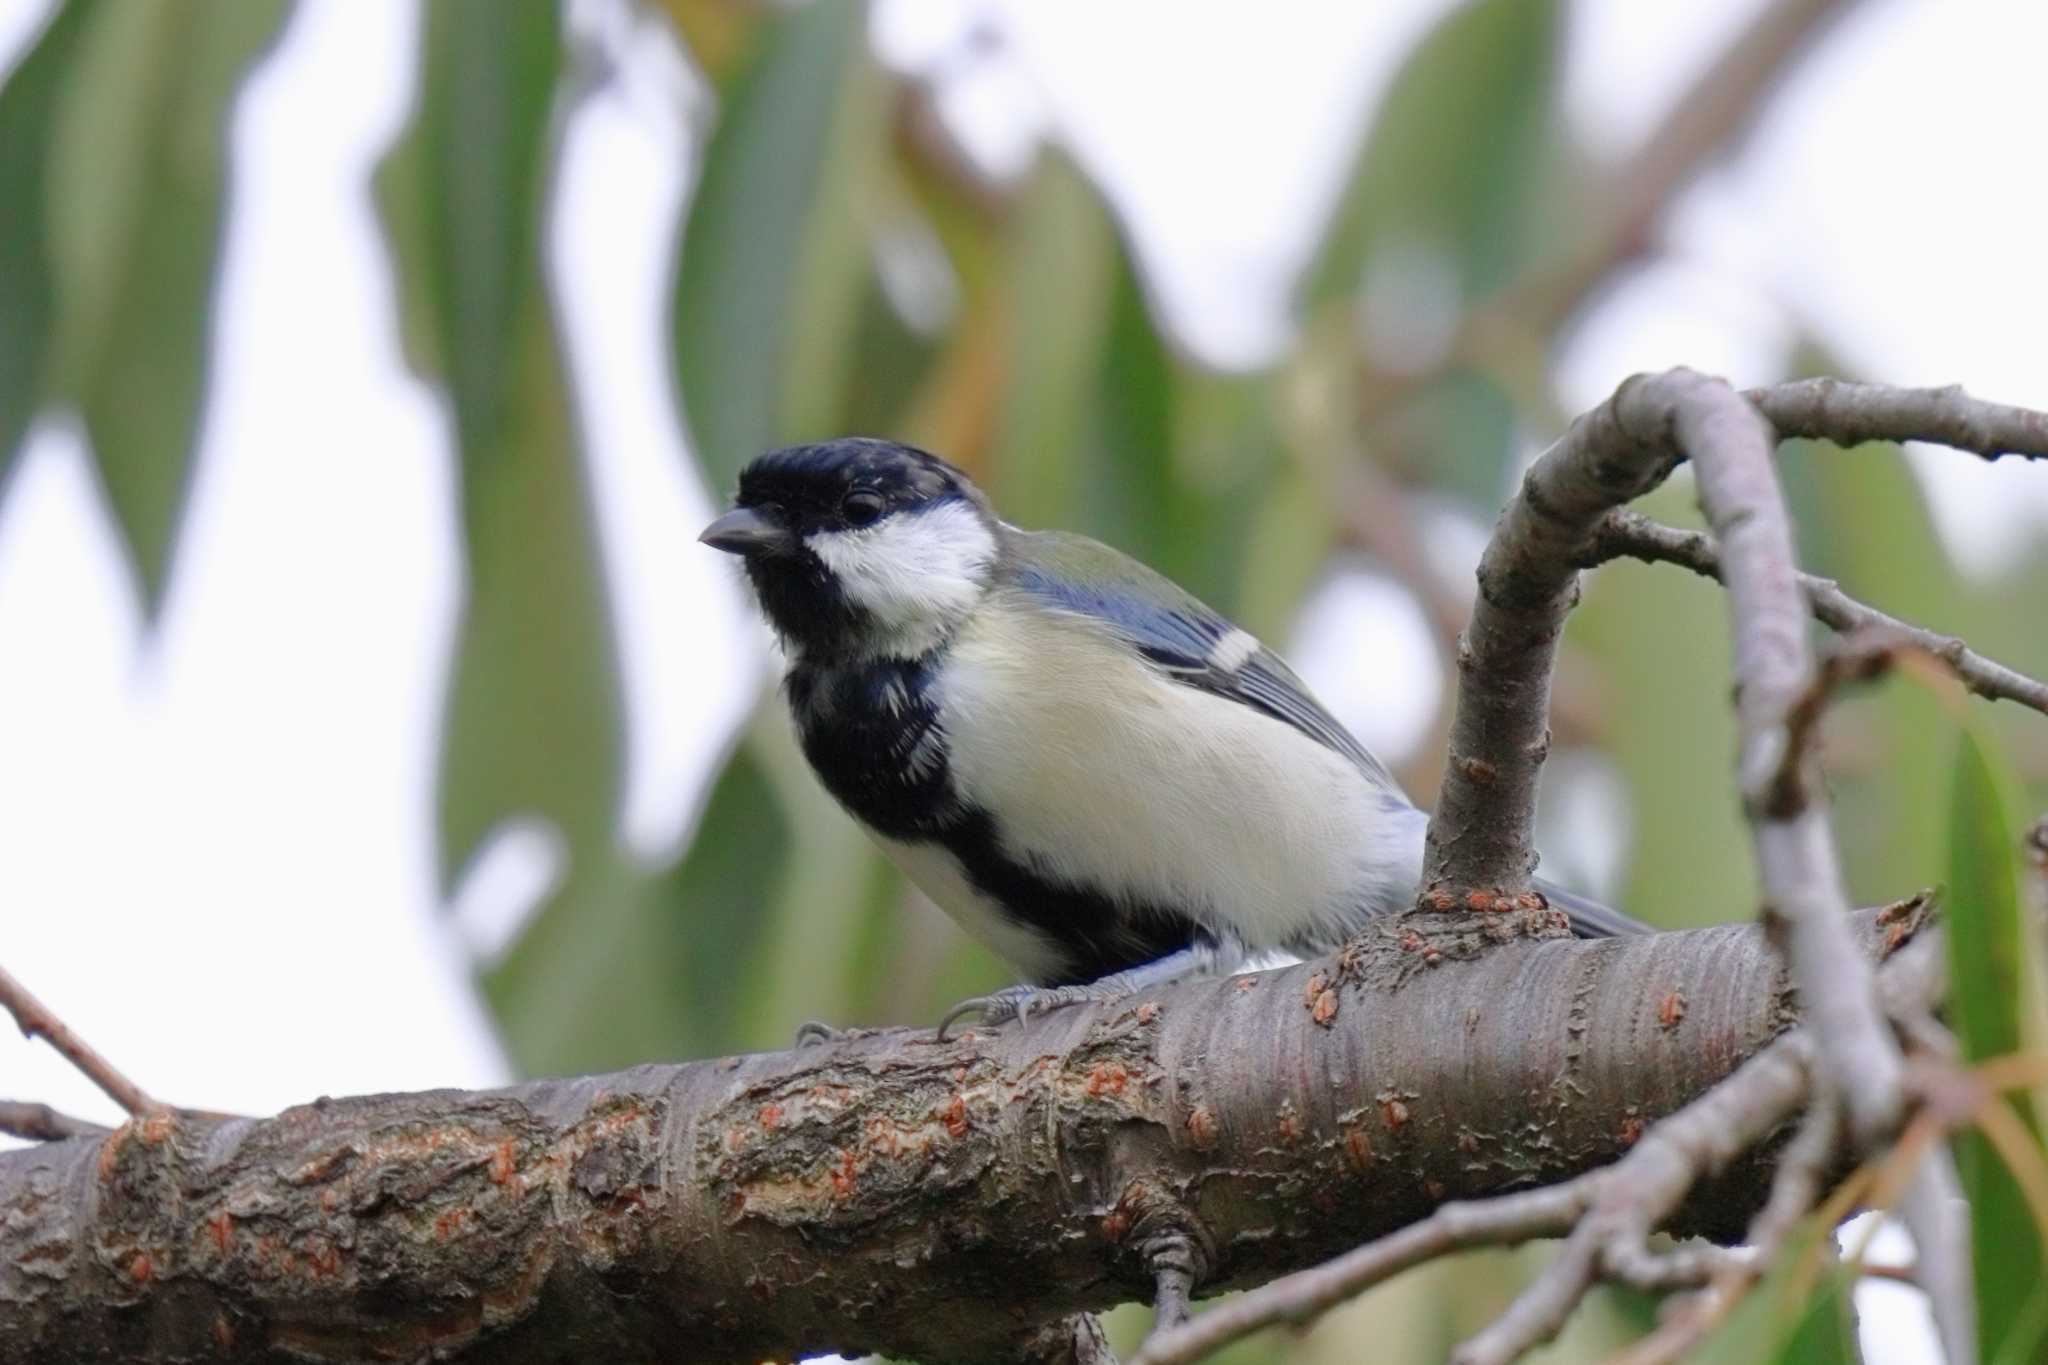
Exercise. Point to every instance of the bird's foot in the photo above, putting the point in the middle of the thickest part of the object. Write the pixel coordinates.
(816, 1032)
(1021, 1002)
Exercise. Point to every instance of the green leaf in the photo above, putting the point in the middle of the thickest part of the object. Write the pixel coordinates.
(1449, 187)
(668, 958)
(774, 253)
(1661, 638)
(486, 99)
(1993, 993)
(28, 109)
(835, 886)
(532, 725)
(1101, 428)
(1063, 262)
(137, 177)
(1988, 958)
(1862, 519)
(716, 33)
(1456, 152)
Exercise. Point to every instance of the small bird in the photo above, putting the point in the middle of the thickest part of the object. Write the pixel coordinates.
(1097, 776)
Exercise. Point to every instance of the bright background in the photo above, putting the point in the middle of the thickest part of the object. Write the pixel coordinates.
(218, 849)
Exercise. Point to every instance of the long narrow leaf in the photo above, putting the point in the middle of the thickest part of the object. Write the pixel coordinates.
(532, 725)
(1445, 207)
(28, 108)
(136, 183)
(1992, 990)
(654, 969)
(771, 264)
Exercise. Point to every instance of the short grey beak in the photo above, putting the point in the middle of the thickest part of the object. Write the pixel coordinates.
(743, 531)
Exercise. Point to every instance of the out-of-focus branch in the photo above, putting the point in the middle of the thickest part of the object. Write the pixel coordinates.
(1625, 534)
(1715, 111)
(41, 1123)
(36, 1021)
(1938, 1220)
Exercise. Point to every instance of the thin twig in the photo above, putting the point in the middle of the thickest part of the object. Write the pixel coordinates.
(1644, 1186)
(1849, 413)
(41, 1123)
(1657, 1171)
(1673, 1156)
(1626, 534)
(1910, 984)
(1900, 1274)
(1731, 449)
(1172, 1260)
(1505, 1221)
(1794, 1190)
(1857, 658)
(37, 1021)
(1543, 1306)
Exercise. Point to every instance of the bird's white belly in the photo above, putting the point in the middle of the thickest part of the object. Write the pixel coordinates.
(1101, 772)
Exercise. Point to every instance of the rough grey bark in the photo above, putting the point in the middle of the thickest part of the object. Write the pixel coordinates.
(943, 1201)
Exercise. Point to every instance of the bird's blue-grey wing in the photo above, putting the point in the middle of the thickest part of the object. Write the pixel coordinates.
(1182, 636)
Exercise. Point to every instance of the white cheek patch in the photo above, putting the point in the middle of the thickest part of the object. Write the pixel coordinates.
(917, 573)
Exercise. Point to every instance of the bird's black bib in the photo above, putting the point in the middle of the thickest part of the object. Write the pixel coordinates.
(874, 733)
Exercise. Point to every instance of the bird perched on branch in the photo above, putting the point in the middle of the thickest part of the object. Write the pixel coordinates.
(1093, 773)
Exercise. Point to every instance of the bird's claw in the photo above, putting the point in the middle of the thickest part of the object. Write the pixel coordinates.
(1016, 1002)
(988, 1007)
(816, 1032)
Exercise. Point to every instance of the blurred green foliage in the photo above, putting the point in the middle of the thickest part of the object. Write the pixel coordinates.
(113, 156)
(1046, 371)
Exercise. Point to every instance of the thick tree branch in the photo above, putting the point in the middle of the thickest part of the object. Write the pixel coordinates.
(940, 1201)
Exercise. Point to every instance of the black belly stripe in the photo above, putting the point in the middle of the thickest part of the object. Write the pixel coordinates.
(872, 732)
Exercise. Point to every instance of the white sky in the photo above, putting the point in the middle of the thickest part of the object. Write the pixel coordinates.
(213, 851)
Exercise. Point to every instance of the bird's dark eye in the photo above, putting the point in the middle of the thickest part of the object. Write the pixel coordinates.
(862, 508)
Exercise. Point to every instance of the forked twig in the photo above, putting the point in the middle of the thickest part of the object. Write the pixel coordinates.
(1631, 535)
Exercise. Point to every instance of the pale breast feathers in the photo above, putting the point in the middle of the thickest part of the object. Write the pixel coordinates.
(1109, 770)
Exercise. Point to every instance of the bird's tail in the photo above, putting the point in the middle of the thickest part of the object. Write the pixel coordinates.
(1590, 919)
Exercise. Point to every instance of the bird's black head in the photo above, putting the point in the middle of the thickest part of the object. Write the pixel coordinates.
(860, 546)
